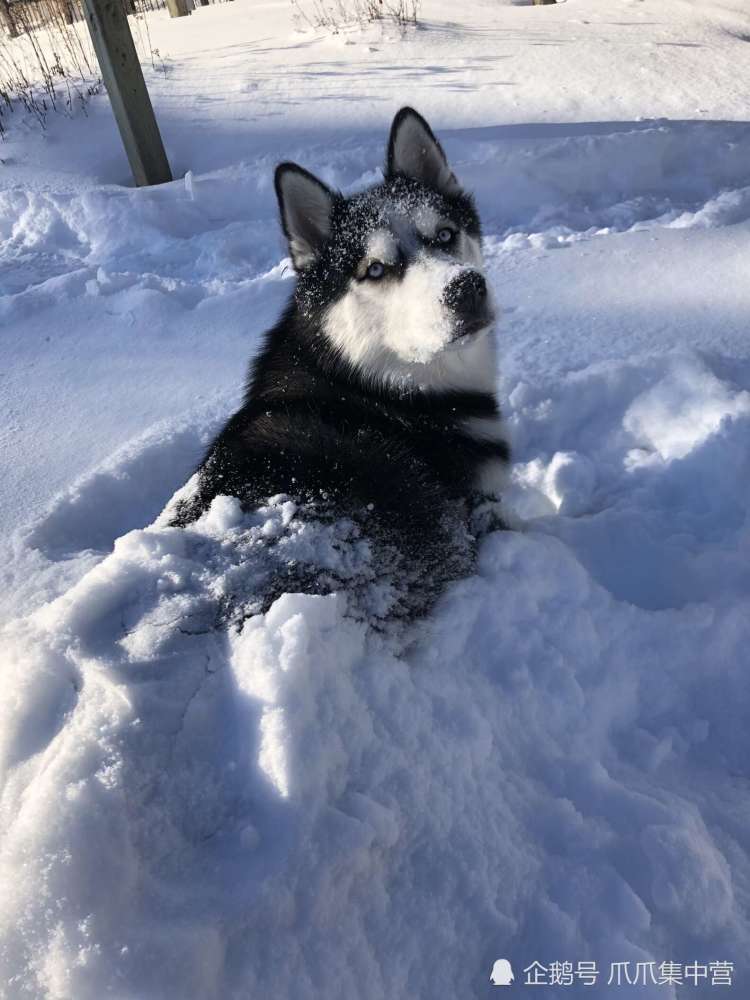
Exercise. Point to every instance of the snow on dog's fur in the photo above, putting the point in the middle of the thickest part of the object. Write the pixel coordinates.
(373, 398)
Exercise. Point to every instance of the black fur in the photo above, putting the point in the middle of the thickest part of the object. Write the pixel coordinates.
(395, 460)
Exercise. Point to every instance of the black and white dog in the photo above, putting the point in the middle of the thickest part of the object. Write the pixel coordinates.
(374, 395)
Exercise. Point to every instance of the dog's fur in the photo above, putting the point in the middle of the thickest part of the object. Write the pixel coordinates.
(374, 394)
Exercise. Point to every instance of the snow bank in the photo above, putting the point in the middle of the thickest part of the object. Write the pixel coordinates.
(308, 806)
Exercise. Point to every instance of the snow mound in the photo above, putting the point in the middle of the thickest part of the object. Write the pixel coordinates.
(299, 804)
(655, 491)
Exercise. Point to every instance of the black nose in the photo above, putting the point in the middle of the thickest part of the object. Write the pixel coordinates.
(466, 295)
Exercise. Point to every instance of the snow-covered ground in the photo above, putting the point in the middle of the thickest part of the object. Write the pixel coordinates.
(554, 766)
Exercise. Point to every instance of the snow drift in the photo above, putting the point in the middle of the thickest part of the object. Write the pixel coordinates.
(303, 805)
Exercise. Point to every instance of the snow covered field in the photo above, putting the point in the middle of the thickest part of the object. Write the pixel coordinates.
(554, 767)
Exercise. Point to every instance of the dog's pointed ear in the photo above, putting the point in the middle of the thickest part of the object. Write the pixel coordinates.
(306, 206)
(413, 151)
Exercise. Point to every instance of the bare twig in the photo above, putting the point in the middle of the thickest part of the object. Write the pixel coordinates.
(333, 15)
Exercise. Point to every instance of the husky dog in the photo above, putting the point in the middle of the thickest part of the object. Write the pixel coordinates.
(374, 394)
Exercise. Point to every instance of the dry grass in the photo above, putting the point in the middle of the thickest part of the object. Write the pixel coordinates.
(47, 60)
(48, 66)
(334, 15)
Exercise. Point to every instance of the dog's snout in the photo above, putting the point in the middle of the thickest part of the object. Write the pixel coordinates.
(466, 295)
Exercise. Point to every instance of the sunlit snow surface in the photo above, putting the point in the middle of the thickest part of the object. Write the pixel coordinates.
(554, 765)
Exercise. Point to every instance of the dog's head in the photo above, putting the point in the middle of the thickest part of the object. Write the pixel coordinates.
(391, 279)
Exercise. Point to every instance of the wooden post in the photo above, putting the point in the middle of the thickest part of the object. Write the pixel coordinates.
(66, 11)
(177, 8)
(7, 20)
(123, 78)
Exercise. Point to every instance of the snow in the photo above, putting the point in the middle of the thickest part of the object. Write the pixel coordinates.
(553, 766)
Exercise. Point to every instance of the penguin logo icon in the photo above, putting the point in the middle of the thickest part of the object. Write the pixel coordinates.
(502, 973)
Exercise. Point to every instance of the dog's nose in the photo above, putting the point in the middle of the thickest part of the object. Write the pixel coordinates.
(466, 295)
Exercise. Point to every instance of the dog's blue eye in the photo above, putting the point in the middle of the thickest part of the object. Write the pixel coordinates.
(445, 235)
(375, 270)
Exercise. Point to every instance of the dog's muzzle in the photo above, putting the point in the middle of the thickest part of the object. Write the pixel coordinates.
(467, 298)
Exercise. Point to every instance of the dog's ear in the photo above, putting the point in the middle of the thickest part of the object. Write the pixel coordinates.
(306, 205)
(413, 151)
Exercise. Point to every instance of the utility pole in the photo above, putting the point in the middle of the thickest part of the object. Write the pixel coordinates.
(123, 78)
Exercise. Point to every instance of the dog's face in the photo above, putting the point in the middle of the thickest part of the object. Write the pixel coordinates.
(393, 277)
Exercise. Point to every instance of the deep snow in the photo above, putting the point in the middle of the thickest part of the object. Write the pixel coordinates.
(554, 766)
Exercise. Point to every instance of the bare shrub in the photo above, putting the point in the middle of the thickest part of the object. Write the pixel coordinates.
(47, 60)
(334, 15)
